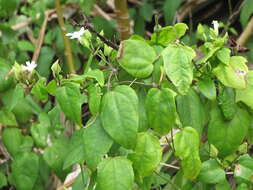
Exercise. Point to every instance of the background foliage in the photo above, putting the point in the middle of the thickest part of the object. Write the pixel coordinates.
(171, 109)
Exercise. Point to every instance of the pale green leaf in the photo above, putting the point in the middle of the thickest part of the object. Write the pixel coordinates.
(147, 154)
(186, 144)
(178, 66)
(246, 95)
(97, 75)
(137, 58)
(224, 55)
(115, 173)
(233, 75)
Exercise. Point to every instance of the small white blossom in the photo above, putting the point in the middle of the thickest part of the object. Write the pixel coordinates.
(30, 66)
(76, 35)
(216, 27)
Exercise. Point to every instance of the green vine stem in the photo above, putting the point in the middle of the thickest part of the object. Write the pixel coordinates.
(67, 46)
(121, 11)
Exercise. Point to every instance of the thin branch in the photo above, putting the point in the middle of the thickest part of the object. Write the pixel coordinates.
(101, 12)
(170, 166)
(67, 46)
(246, 33)
(89, 27)
(40, 40)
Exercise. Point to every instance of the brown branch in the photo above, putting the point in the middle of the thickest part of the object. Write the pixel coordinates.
(89, 27)
(67, 45)
(187, 8)
(39, 42)
(246, 33)
(100, 12)
(121, 11)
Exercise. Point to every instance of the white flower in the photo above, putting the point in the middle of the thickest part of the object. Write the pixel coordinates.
(77, 34)
(30, 66)
(216, 27)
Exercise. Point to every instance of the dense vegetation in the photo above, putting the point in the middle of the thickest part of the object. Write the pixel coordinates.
(106, 102)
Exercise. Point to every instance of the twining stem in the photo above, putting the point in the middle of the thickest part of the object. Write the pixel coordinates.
(121, 11)
(248, 31)
(67, 46)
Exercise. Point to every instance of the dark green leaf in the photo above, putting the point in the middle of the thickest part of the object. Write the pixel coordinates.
(191, 111)
(96, 143)
(227, 102)
(225, 135)
(25, 170)
(207, 88)
(70, 100)
(161, 109)
(12, 145)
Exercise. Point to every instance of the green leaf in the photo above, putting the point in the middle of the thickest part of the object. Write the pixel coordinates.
(94, 98)
(146, 11)
(96, 143)
(97, 75)
(7, 118)
(191, 111)
(225, 135)
(3, 180)
(11, 145)
(70, 100)
(186, 144)
(45, 60)
(76, 150)
(25, 170)
(178, 66)
(55, 156)
(25, 45)
(82, 180)
(137, 58)
(232, 75)
(168, 34)
(207, 88)
(147, 154)
(13, 96)
(224, 55)
(39, 90)
(161, 109)
(143, 119)
(211, 172)
(40, 134)
(115, 173)
(246, 12)
(169, 9)
(246, 95)
(119, 115)
(244, 168)
(227, 102)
